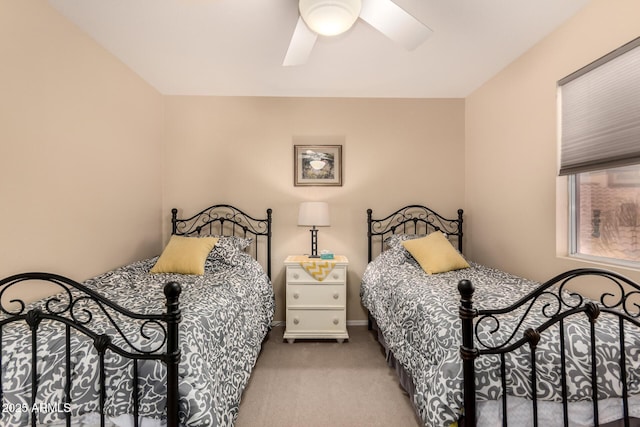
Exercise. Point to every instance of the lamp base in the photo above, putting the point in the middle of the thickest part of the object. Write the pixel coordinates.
(314, 243)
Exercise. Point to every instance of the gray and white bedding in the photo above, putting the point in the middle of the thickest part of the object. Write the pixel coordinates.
(226, 313)
(417, 315)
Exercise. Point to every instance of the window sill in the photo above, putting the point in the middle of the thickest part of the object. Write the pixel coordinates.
(605, 263)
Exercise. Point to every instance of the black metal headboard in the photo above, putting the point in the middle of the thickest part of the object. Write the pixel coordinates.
(227, 220)
(412, 219)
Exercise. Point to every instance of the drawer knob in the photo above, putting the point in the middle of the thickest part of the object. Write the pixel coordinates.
(336, 276)
(336, 295)
(296, 276)
(336, 321)
(296, 320)
(296, 295)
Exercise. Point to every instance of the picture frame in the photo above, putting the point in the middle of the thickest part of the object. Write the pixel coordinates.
(317, 165)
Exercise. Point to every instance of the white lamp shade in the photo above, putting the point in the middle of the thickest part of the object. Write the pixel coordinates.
(330, 17)
(314, 213)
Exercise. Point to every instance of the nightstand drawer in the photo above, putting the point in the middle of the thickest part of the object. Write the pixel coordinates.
(316, 295)
(316, 320)
(297, 274)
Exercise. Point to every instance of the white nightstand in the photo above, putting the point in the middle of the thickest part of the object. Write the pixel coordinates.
(316, 298)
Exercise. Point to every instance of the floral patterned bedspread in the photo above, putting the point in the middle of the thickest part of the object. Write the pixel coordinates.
(418, 317)
(226, 313)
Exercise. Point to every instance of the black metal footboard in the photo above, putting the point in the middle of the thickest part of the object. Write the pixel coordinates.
(75, 313)
(550, 312)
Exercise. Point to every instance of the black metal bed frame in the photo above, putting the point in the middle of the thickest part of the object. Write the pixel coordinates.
(411, 219)
(623, 303)
(74, 305)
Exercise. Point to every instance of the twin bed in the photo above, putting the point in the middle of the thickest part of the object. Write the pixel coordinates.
(135, 348)
(476, 346)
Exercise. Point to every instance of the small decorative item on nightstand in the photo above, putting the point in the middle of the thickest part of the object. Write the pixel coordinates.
(325, 254)
(316, 298)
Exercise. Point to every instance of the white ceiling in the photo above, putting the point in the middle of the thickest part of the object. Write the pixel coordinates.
(236, 47)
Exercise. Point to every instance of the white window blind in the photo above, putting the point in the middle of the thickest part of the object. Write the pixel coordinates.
(600, 113)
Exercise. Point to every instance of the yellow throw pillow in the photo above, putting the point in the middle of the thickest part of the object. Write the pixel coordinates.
(185, 255)
(435, 254)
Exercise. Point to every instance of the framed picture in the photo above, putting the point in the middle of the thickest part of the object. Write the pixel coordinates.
(317, 165)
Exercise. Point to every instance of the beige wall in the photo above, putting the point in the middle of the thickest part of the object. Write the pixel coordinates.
(240, 151)
(511, 146)
(80, 156)
(86, 183)
(83, 164)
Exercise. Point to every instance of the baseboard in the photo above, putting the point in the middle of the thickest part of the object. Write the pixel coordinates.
(276, 323)
(357, 323)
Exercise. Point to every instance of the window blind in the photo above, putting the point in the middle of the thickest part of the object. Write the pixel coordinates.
(600, 113)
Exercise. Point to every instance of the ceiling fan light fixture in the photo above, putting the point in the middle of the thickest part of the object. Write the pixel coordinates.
(330, 17)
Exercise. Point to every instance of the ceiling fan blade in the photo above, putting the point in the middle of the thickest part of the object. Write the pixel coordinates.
(301, 44)
(395, 23)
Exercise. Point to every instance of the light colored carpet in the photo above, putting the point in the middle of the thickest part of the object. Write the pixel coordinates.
(323, 383)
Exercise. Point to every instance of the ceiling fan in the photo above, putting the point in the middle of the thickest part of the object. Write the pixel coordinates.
(333, 17)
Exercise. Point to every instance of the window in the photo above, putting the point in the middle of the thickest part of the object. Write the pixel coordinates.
(607, 215)
(600, 153)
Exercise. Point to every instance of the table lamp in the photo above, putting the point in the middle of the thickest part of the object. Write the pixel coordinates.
(315, 214)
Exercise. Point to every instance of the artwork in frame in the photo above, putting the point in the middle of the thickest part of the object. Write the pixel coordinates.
(317, 165)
